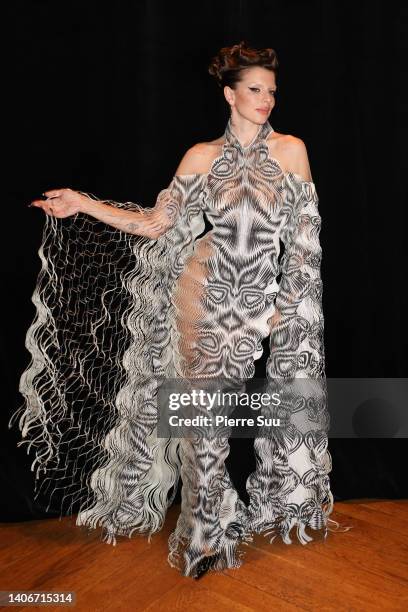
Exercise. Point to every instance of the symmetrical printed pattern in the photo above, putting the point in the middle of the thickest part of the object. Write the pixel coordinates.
(117, 313)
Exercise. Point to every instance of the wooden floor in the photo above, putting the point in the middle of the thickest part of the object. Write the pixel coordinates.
(363, 569)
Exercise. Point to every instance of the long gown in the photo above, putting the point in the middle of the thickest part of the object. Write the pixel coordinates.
(117, 313)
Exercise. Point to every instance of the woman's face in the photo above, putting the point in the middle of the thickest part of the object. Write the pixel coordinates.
(253, 97)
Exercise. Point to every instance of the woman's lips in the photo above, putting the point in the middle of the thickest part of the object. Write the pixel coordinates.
(262, 110)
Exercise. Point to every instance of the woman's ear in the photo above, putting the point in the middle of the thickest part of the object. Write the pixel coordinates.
(228, 93)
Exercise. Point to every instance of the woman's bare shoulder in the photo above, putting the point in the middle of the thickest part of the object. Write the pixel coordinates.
(284, 141)
(291, 153)
(198, 158)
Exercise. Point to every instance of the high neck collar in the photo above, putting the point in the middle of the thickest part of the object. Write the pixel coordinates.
(263, 131)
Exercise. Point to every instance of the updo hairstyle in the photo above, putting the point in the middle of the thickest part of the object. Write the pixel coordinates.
(226, 66)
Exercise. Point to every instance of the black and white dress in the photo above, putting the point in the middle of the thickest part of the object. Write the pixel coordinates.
(117, 313)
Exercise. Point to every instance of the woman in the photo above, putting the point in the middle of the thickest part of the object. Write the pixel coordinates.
(160, 300)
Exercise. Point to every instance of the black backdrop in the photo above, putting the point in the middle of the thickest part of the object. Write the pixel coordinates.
(107, 99)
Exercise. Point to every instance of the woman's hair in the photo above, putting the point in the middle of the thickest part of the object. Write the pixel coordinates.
(229, 62)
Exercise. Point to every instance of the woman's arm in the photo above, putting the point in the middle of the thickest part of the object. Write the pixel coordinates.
(63, 203)
(131, 222)
(150, 222)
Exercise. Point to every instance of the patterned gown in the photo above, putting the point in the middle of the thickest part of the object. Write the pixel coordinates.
(117, 313)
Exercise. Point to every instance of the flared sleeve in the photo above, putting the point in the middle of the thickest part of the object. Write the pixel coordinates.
(296, 452)
(297, 334)
(100, 341)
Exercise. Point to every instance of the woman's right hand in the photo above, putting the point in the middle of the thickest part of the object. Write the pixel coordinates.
(62, 203)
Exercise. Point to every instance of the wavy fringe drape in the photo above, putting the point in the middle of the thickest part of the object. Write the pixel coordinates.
(100, 343)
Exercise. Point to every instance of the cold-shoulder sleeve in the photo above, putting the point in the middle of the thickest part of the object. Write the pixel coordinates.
(297, 333)
(100, 342)
(296, 453)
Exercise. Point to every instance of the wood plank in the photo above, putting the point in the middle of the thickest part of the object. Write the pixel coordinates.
(365, 568)
(393, 518)
(219, 593)
(312, 583)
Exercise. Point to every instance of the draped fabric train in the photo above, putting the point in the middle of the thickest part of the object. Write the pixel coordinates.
(117, 313)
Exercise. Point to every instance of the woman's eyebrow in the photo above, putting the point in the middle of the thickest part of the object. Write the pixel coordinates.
(258, 84)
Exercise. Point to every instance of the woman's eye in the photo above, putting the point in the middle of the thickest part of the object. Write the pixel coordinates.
(257, 89)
